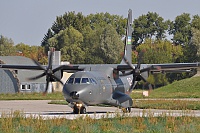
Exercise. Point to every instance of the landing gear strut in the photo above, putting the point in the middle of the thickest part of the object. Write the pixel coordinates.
(79, 109)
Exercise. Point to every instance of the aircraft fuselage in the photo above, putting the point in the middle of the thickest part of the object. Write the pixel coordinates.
(94, 87)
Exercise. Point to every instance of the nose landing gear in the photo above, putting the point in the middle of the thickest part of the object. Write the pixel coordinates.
(79, 109)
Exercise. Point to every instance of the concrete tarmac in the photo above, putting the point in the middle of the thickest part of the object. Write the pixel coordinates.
(41, 108)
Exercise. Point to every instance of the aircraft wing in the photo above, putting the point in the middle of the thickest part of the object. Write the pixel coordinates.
(173, 67)
(29, 67)
(34, 67)
(170, 67)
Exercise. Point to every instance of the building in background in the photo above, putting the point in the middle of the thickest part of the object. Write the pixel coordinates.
(13, 81)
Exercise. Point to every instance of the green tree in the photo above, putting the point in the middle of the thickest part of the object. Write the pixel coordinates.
(158, 52)
(74, 54)
(180, 28)
(109, 45)
(34, 52)
(6, 46)
(103, 19)
(195, 42)
(149, 26)
(44, 42)
(196, 22)
(66, 37)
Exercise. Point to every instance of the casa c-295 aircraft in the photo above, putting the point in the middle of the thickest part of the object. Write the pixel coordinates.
(102, 83)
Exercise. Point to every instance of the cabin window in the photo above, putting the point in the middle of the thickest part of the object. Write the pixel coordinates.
(85, 81)
(70, 81)
(93, 81)
(77, 80)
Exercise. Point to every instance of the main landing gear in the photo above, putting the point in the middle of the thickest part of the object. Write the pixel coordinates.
(79, 109)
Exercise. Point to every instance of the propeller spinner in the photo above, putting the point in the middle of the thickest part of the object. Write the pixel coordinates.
(136, 71)
(48, 72)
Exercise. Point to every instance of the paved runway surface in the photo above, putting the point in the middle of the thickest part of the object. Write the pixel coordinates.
(43, 109)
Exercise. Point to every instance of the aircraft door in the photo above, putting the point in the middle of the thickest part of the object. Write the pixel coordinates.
(105, 89)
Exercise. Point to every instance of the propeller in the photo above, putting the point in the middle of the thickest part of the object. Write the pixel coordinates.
(48, 72)
(136, 71)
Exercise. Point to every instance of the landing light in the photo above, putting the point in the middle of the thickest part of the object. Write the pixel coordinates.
(79, 105)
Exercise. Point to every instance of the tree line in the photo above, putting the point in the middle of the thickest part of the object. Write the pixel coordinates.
(99, 38)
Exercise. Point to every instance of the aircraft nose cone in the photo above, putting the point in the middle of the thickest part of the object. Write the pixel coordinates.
(74, 95)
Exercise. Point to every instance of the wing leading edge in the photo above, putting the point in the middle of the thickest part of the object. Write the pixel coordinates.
(150, 67)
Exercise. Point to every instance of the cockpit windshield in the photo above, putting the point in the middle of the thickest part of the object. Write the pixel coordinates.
(77, 80)
(85, 81)
(81, 81)
(70, 81)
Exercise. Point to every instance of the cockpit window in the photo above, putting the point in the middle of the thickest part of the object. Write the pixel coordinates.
(70, 81)
(85, 81)
(77, 80)
(93, 81)
(81, 81)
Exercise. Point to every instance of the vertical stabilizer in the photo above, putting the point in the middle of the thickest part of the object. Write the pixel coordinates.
(128, 42)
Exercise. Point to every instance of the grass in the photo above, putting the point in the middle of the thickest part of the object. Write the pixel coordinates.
(16, 122)
(166, 104)
(32, 96)
(186, 88)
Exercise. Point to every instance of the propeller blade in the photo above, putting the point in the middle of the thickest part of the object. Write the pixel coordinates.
(142, 78)
(37, 77)
(57, 68)
(139, 59)
(133, 82)
(38, 64)
(57, 79)
(47, 85)
(146, 69)
(146, 82)
(50, 61)
(127, 62)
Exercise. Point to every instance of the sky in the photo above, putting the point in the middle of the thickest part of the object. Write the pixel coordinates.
(27, 21)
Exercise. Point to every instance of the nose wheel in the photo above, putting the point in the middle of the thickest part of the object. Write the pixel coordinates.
(79, 109)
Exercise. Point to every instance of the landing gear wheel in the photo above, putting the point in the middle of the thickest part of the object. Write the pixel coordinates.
(76, 110)
(79, 110)
(83, 110)
(126, 110)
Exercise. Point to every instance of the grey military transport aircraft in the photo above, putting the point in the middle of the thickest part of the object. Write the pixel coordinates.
(110, 84)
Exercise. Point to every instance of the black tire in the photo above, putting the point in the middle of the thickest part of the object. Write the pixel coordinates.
(83, 110)
(126, 110)
(76, 110)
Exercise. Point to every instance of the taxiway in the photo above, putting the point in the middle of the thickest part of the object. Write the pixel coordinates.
(41, 108)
